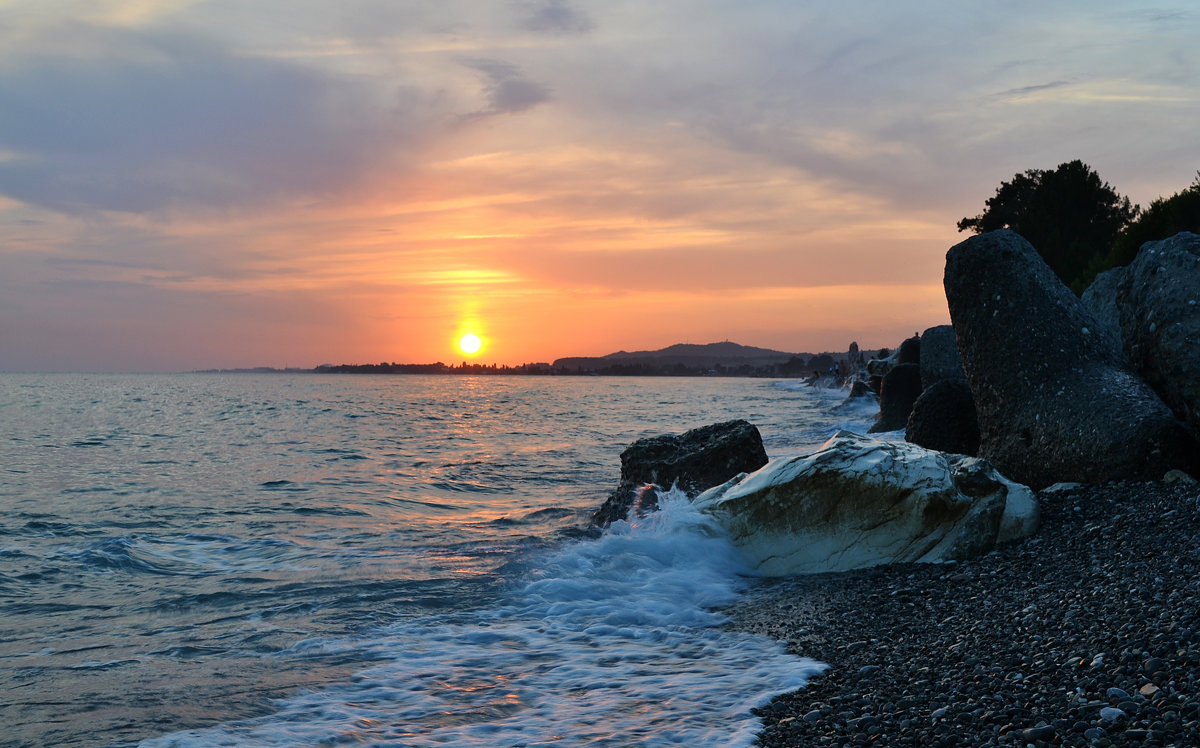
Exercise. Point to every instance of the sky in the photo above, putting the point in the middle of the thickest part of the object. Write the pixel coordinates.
(188, 184)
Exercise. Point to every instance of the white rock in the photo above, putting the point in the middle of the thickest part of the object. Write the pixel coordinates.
(1061, 487)
(857, 502)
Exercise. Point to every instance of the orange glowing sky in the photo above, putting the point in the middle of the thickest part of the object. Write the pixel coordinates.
(189, 184)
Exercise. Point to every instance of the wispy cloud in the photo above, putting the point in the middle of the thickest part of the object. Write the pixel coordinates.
(1014, 93)
(555, 16)
(508, 90)
(160, 120)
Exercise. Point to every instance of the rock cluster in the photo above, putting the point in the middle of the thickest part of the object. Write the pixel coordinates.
(695, 461)
(943, 417)
(1053, 397)
(1087, 634)
(924, 395)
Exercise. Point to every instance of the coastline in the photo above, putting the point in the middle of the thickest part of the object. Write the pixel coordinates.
(1036, 643)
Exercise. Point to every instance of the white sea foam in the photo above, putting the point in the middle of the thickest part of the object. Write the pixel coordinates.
(604, 643)
(825, 412)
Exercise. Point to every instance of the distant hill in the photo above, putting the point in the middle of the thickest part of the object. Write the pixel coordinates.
(710, 356)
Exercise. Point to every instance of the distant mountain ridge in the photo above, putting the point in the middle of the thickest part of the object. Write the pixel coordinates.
(693, 356)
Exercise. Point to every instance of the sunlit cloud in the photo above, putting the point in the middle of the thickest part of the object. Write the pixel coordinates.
(353, 184)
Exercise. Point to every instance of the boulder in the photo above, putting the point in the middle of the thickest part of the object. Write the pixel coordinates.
(1159, 303)
(909, 352)
(943, 419)
(874, 384)
(939, 356)
(859, 389)
(694, 461)
(1100, 299)
(898, 391)
(878, 367)
(857, 502)
(1053, 399)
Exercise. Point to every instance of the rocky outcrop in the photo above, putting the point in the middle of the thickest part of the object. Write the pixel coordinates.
(939, 356)
(1100, 299)
(898, 391)
(859, 390)
(943, 419)
(857, 502)
(909, 351)
(1053, 400)
(1159, 302)
(696, 460)
(878, 367)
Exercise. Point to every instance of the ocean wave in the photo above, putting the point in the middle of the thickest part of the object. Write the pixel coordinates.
(609, 642)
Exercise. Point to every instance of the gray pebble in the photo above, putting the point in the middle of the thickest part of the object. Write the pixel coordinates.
(1097, 614)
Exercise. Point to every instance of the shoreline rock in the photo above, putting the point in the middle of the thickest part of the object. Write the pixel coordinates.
(898, 391)
(943, 418)
(1158, 298)
(857, 502)
(1052, 394)
(695, 460)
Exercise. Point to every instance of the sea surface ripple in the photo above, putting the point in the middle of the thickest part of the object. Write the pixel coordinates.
(306, 559)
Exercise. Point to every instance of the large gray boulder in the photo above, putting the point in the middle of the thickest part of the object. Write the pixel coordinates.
(1100, 299)
(1053, 399)
(939, 356)
(857, 502)
(695, 460)
(1159, 302)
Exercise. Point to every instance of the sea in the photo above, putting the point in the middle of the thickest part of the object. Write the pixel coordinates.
(361, 560)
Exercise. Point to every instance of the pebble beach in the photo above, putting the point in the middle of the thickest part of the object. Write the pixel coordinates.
(1086, 634)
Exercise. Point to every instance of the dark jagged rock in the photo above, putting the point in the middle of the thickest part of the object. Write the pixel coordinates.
(939, 356)
(1053, 399)
(858, 390)
(875, 383)
(1100, 299)
(899, 390)
(854, 355)
(878, 367)
(1159, 302)
(696, 461)
(943, 418)
(909, 352)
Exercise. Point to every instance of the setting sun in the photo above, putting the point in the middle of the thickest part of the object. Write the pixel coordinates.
(470, 344)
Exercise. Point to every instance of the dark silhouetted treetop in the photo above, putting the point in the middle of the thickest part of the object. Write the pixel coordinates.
(1069, 214)
(1165, 218)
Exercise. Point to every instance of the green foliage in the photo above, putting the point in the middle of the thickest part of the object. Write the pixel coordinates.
(1164, 218)
(1069, 214)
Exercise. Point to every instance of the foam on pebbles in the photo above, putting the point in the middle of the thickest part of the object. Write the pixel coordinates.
(1087, 634)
